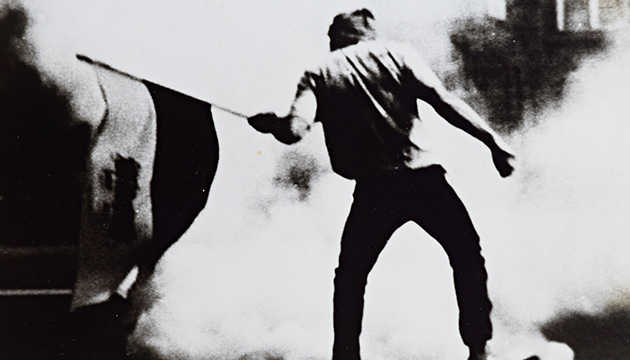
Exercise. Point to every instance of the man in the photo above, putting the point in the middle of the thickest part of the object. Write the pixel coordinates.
(365, 95)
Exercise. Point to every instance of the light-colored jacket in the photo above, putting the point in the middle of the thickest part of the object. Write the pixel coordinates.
(365, 95)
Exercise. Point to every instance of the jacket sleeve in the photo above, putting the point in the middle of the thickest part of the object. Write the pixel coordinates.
(430, 89)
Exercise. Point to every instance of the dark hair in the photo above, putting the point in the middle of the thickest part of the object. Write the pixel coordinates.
(350, 28)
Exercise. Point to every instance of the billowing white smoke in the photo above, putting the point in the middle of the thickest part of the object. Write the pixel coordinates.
(556, 234)
(254, 278)
(577, 176)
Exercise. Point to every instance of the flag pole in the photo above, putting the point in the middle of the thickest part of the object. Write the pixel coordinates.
(227, 110)
(82, 57)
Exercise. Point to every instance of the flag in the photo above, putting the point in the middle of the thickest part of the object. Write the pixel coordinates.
(151, 163)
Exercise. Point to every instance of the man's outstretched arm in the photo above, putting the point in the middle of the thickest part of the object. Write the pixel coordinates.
(291, 128)
(461, 115)
(458, 113)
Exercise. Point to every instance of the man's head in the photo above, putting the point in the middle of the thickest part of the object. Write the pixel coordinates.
(350, 28)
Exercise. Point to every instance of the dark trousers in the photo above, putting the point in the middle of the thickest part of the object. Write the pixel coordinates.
(381, 205)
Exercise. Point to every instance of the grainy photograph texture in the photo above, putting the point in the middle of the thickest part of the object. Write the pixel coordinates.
(265, 180)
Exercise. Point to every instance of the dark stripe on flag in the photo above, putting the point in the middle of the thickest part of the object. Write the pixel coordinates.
(186, 160)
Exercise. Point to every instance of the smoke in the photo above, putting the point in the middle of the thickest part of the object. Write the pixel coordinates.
(252, 279)
(253, 284)
(562, 244)
(257, 284)
(42, 146)
(520, 65)
(575, 173)
(298, 171)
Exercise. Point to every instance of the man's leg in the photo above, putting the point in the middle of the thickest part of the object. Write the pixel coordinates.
(370, 224)
(442, 214)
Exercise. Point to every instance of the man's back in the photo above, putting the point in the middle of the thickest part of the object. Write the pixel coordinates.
(366, 99)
